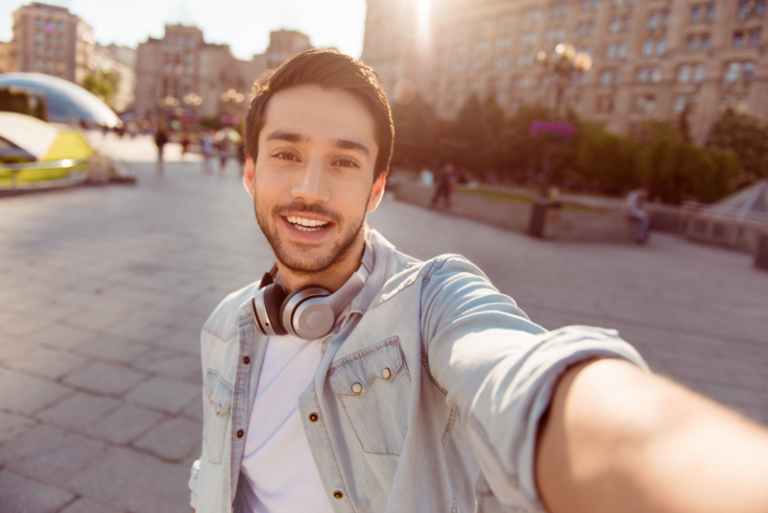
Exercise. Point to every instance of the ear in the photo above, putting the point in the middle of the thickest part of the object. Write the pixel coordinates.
(249, 175)
(377, 192)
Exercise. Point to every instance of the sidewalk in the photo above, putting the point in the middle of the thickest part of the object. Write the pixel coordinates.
(103, 292)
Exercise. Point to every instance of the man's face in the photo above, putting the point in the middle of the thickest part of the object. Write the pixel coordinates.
(312, 181)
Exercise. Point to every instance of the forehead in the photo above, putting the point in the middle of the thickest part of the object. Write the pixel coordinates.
(321, 114)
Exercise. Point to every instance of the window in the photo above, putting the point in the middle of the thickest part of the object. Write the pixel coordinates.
(38, 24)
(38, 64)
(641, 75)
(524, 60)
(558, 10)
(584, 49)
(653, 20)
(648, 47)
(621, 50)
(585, 29)
(665, 18)
(749, 72)
(738, 39)
(696, 13)
(747, 8)
(500, 63)
(190, 42)
(610, 77)
(503, 43)
(705, 42)
(615, 25)
(690, 43)
(457, 67)
(190, 69)
(710, 12)
(698, 73)
(754, 37)
(60, 27)
(679, 104)
(38, 37)
(655, 74)
(527, 38)
(605, 103)
(588, 5)
(530, 15)
(555, 34)
(480, 46)
(610, 50)
(683, 74)
(461, 49)
(732, 72)
(521, 83)
(484, 27)
(661, 46)
(505, 20)
(478, 64)
(644, 103)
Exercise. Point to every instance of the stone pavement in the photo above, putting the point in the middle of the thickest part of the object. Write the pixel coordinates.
(103, 291)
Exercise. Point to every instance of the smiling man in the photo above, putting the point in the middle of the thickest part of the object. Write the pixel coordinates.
(354, 378)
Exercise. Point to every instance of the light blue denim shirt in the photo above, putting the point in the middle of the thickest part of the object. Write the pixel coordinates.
(454, 376)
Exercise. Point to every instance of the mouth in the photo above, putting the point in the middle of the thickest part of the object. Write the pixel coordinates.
(307, 228)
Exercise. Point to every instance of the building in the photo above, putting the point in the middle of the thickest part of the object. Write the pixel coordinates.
(49, 39)
(651, 58)
(181, 67)
(108, 59)
(7, 58)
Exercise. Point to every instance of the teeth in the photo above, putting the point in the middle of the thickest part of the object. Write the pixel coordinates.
(300, 222)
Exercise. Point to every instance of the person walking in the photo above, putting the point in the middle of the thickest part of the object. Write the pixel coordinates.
(161, 139)
(445, 186)
(207, 151)
(635, 208)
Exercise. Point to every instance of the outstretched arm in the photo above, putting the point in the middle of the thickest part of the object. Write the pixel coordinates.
(618, 439)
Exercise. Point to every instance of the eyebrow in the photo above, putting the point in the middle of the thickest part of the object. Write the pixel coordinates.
(340, 144)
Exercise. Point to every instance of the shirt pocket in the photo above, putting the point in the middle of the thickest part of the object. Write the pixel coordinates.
(216, 413)
(374, 388)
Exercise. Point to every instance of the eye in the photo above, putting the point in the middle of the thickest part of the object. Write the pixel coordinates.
(285, 155)
(346, 162)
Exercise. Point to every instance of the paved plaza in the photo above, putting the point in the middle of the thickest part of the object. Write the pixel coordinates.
(103, 291)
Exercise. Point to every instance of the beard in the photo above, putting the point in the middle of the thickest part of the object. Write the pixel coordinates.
(267, 219)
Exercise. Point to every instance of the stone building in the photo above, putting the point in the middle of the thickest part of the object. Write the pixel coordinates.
(111, 58)
(651, 58)
(182, 65)
(49, 39)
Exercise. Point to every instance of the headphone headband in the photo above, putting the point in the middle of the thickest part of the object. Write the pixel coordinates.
(309, 312)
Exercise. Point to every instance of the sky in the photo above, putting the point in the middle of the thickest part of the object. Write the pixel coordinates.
(243, 24)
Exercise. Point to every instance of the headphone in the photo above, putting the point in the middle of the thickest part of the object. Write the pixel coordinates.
(308, 312)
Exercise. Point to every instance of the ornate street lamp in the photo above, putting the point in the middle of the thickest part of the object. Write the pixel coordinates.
(563, 63)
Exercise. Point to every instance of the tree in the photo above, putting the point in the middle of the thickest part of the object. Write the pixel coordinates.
(606, 161)
(747, 137)
(102, 83)
(416, 127)
(23, 103)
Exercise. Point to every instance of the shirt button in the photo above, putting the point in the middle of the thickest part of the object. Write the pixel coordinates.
(246, 360)
(313, 417)
(356, 389)
(338, 494)
(386, 373)
(240, 433)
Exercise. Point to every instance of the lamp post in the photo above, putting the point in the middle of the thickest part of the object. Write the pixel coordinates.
(562, 64)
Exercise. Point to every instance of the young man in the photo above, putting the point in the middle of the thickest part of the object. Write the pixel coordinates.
(364, 380)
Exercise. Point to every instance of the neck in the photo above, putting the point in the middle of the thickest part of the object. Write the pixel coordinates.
(332, 278)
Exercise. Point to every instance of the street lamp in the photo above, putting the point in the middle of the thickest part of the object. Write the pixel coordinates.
(563, 63)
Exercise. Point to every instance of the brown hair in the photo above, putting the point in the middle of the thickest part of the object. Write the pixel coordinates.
(328, 69)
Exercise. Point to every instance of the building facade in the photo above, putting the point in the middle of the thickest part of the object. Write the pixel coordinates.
(651, 58)
(49, 39)
(181, 66)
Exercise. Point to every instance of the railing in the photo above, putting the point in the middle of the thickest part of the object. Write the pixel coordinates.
(43, 174)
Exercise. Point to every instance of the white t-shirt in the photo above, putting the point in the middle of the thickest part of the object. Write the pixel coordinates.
(277, 464)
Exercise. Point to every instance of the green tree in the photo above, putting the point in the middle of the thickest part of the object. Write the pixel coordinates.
(747, 137)
(102, 83)
(23, 103)
(606, 161)
(416, 128)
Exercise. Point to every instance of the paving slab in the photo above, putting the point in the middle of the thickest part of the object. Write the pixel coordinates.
(164, 394)
(49, 454)
(78, 411)
(12, 426)
(83, 505)
(107, 348)
(133, 481)
(105, 378)
(21, 495)
(61, 335)
(174, 439)
(124, 424)
(26, 394)
(47, 362)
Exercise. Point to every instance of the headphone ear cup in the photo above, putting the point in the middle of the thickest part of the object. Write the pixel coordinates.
(294, 300)
(274, 295)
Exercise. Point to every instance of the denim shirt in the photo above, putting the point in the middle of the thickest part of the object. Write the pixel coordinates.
(453, 380)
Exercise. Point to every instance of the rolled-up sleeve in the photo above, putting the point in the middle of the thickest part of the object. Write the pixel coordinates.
(499, 369)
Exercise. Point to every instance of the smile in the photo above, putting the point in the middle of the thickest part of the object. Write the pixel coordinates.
(307, 225)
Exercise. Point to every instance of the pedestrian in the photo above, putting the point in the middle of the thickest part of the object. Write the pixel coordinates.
(445, 186)
(241, 154)
(161, 139)
(635, 208)
(184, 145)
(353, 377)
(207, 151)
(223, 148)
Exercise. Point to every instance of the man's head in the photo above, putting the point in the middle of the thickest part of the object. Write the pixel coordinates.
(318, 140)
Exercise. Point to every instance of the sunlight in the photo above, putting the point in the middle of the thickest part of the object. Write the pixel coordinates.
(423, 10)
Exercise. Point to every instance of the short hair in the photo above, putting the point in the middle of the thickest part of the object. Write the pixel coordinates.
(328, 69)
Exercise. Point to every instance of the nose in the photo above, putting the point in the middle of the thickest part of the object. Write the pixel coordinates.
(311, 186)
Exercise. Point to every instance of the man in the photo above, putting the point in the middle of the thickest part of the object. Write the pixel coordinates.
(207, 151)
(428, 377)
(635, 208)
(445, 186)
(161, 139)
